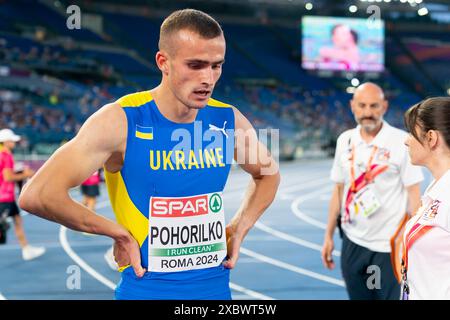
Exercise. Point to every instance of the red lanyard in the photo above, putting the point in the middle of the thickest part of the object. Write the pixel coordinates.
(367, 175)
(416, 232)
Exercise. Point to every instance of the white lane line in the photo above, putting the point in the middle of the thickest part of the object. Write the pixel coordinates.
(293, 239)
(285, 236)
(282, 193)
(303, 185)
(301, 215)
(292, 268)
(66, 246)
(2, 297)
(249, 292)
(48, 245)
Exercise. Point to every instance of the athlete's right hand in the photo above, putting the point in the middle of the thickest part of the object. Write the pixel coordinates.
(327, 249)
(127, 252)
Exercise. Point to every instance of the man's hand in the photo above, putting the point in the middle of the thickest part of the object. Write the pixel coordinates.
(27, 172)
(327, 249)
(233, 246)
(126, 252)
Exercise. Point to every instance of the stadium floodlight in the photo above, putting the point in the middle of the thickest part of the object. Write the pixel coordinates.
(422, 11)
(353, 8)
(309, 6)
(387, 1)
(355, 82)
(418, 1)
(350, 90)
(448, 91)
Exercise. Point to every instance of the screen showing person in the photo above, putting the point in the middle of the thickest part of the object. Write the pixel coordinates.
(344, 47)
(331, 43)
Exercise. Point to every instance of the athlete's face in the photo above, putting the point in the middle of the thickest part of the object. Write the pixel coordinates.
(194, 65)
(368, 107)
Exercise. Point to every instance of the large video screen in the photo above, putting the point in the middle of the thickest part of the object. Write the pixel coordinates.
(348, 44)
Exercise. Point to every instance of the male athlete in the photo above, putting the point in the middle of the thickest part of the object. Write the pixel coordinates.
(167, 154)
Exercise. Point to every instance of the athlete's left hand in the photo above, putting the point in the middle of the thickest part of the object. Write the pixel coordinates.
(127, 253)
(233, 245)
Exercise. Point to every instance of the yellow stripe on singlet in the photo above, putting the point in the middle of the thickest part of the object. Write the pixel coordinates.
(216, 103)
(136, 99)
(126, 212)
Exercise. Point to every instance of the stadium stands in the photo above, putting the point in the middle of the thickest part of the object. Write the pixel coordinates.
(56, 81)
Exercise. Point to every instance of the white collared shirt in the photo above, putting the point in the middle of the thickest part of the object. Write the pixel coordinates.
(374, 232)
(429, 256)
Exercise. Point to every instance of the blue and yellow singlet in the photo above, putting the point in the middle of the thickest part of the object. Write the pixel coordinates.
(168, 195)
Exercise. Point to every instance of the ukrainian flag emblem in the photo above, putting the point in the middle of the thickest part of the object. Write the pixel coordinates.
(144, 132)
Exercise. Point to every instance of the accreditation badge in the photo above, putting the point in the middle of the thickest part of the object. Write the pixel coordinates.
(366, 202)
(186, 233)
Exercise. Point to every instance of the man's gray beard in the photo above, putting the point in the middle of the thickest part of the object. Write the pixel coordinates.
(370, 127)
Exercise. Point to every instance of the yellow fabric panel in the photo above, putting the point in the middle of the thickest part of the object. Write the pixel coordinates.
(126, 212)
(136, 99)
(216, 103)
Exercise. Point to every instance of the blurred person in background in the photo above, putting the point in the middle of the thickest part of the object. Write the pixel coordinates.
(375, 186)
(8, 178)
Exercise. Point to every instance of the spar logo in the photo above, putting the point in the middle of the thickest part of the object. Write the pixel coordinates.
(215, 203)
(181, 207)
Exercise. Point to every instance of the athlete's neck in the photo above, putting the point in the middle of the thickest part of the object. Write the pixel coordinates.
(368, 136)
(172, 108)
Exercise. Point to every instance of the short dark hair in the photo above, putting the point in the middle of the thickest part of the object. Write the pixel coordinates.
(189, 19)
(429, 114)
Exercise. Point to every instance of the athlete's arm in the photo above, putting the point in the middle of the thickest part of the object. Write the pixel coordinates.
(254, 158)
(334, 209)
(413, 198)
(47, 193)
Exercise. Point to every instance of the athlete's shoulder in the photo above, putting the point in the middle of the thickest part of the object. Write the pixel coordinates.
(136, 99)
(219, 104)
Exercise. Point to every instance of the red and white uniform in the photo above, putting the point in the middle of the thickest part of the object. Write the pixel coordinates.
(429, 254)
(6, 187)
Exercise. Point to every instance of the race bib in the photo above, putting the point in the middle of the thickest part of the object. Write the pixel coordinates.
(186, 233)
(366, 202)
